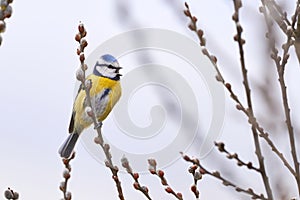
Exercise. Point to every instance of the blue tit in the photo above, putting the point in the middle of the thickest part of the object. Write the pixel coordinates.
(105, 93)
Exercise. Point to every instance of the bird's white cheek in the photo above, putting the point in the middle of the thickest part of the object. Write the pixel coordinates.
(105, 71)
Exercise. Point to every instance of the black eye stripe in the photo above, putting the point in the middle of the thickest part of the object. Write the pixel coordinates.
(109, 66)
(113, 67)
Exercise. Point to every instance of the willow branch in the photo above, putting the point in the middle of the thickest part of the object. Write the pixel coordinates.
(226, 182)
(67, 175)
(161, 174)
(280, 66)
(86, 85)
(234, 97)
(249, 165)
(135, 176)
(238, 38)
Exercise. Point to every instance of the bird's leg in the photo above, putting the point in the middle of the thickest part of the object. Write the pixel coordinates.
(99, 125)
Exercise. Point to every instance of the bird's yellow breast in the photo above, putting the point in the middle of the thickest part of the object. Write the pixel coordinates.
(104, 94)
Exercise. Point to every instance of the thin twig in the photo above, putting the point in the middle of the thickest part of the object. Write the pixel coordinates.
(66, 174)
(161, 175)
(249, 165)
(86, 85)
(288, 121)
(238, 38)
(262, 133)
(135, 176)
(225, 182)
(195, 170)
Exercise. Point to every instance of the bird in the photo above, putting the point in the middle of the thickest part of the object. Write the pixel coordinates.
(105, 92)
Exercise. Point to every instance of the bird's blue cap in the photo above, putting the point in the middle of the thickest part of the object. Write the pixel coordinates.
(109, 58)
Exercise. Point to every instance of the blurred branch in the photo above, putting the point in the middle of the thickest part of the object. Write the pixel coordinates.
(66, 174)
(86, 85)
(295, 19)
(280, 66)
(238, 38)
(217, 175)
(161, 175)
(277, 14)
(135, 176)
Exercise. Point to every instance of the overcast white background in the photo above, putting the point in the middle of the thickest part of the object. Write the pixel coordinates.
(38, 63)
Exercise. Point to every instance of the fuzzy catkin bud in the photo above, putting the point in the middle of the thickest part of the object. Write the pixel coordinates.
(78, 37)
(186, 158)
(179, 195)
(193, 188)
(152, 162)
(66, 174)
(3, 4)
(89, 111)
(169, 190)
(106, 147)
(8, 194)
(214, 58)
(136, 176)
(193, 168)
(238, 4)
(8, 12)
(83, 43)
(62, 186)
(88, 84)
(228, 86)
(78, 51)
(16, 195)
(136, 185)
(187, 13)
(160, 173)
(197, 176)
(80, 75)
(219, 78)
(69, 195)
(192, 26)
(2, 26)
(152, 170)
(84, 67)
(81, 57)
(98, 140)
(144, 188)
(124, 162)
(186, 5)
(83, 34)
(202, 171)
(81, 28)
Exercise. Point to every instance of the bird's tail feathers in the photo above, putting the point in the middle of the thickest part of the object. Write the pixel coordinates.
(67, 147)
